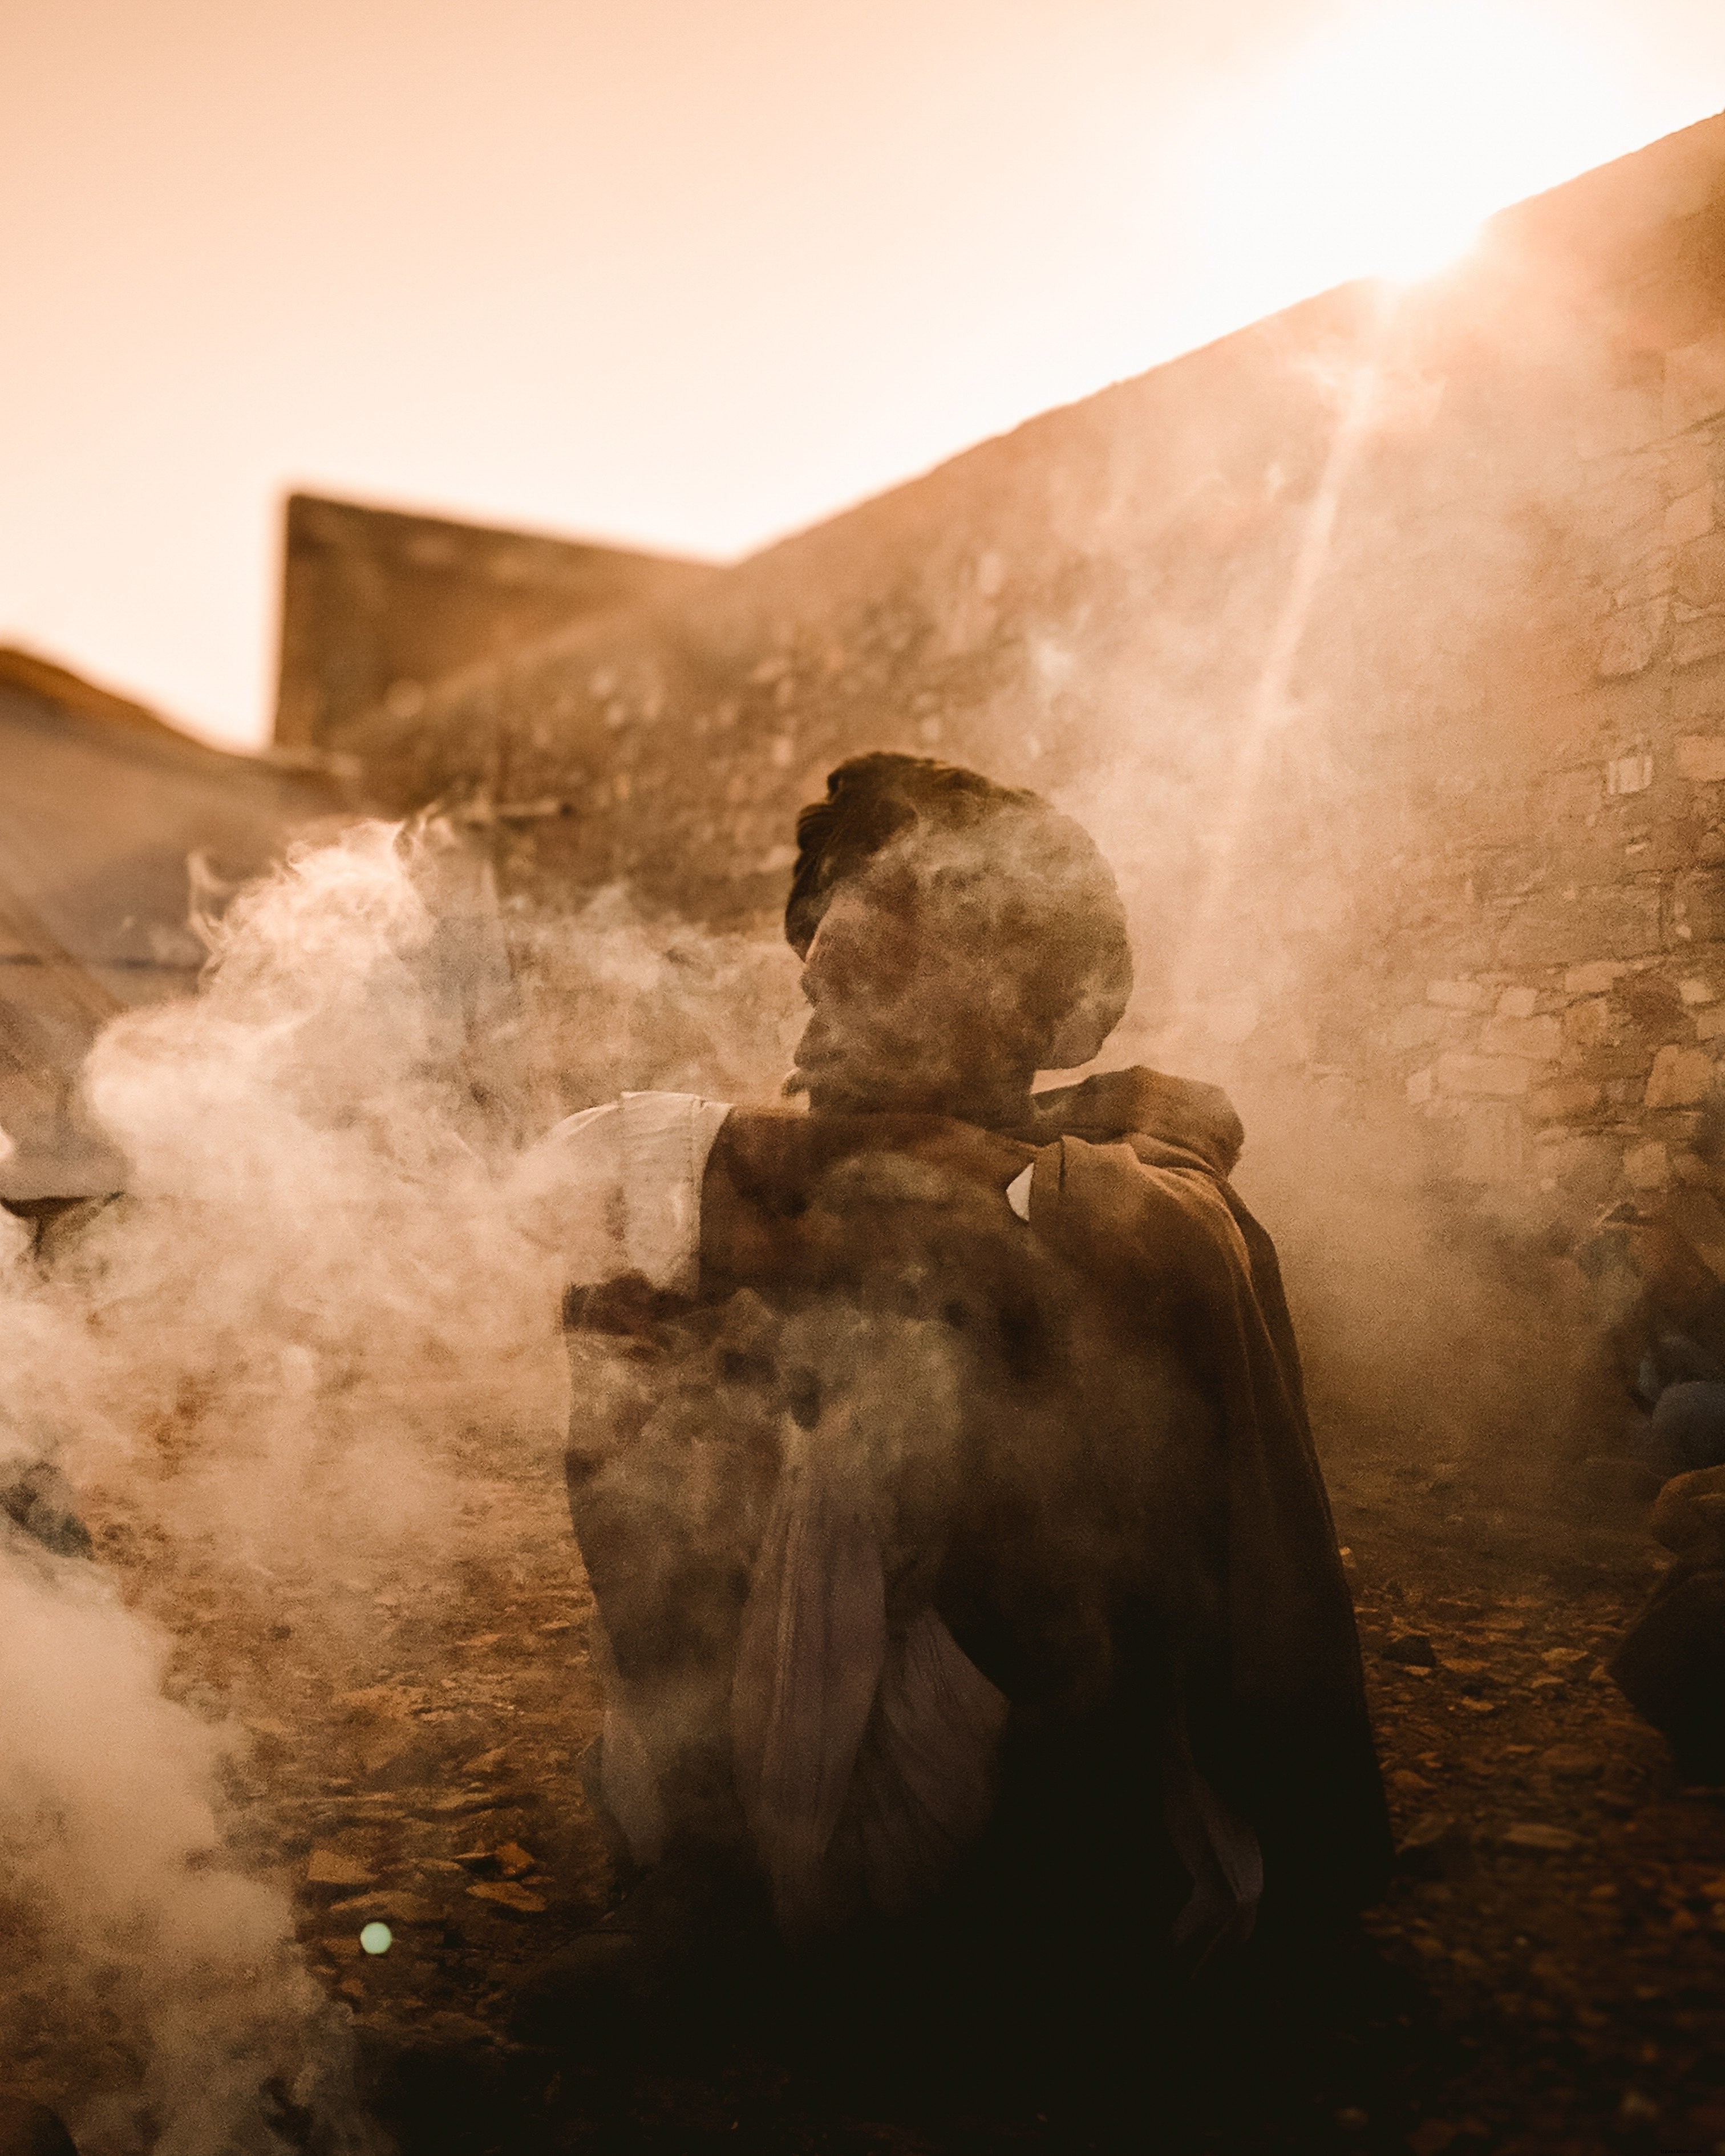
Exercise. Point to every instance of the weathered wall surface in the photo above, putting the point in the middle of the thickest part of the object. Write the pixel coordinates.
(377, 605)
(1383, 645)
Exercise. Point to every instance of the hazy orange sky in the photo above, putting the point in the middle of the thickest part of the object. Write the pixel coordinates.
(683, 273)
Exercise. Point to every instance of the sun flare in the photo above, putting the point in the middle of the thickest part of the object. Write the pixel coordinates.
(1389, 140)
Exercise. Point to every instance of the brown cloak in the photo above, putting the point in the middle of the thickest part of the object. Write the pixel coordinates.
(1138, 1536)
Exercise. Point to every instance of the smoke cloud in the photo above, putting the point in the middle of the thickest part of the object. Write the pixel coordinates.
(276, 1372)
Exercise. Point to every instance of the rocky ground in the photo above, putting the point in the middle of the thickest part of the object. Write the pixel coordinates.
(1561, 1896)
(1543, 1976)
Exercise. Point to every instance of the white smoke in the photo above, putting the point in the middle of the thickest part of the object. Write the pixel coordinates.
(280, 1363)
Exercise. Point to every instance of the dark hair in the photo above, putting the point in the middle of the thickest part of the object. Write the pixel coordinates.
(1053, 908)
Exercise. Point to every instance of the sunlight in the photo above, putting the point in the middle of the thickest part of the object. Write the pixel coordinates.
(1396, 132)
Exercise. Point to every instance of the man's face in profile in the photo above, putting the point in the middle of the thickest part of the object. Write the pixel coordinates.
(906, 1006)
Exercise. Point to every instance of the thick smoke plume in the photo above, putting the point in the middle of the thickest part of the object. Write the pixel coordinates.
(321, 1316)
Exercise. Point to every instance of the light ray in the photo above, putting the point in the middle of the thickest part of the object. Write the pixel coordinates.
(1269, 709)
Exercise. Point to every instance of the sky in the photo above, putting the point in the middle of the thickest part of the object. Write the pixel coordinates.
(680, 274)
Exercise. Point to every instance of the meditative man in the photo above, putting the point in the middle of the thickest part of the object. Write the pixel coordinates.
(938, 1456)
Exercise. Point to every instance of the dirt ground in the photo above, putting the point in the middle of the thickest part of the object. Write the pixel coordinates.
(1543, 1975)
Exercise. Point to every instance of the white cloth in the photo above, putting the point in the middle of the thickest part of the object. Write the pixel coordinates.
(617, 1188)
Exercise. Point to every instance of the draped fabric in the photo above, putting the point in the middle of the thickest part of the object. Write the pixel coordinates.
(1047, 1552)
(864, 1752)
(1284, 1737)
(1141, 1513)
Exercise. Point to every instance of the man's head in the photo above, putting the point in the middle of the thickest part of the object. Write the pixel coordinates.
(957, 937)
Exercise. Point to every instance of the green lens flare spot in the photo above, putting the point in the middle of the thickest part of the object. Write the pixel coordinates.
(375, 1938)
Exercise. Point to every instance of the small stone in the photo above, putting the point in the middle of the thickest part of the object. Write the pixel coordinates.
(1407, 1783)
(1647, 1167)
(405, 1908)
(1417, 1027)
(1572, 1762)
(1710, 1024)
(1518, 1002)
(1567, 1098)
(506, 1895)
(329, 1867)
(1499, 1075)
(1680, 1078)
(1700, 636)
(1629, 774)
(396, 1700)
(1536, 1835)
(1696, 990)
(1592, 979)
(1629, 641)
(1539, 1039)
(1477, 1706)
(1702, 757)
(1636, 2109)
(1410, 1647)
(384, 1746)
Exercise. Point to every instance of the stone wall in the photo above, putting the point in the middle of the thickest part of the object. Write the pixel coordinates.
(377, 606)
(1383, 645)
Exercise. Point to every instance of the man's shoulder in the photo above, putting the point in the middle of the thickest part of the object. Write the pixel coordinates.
(1113, 1140)
(827, 1199)
(1152, 1111)
(789, 1158)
